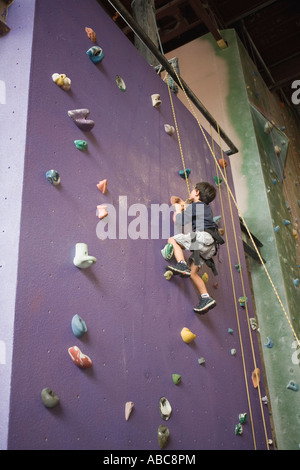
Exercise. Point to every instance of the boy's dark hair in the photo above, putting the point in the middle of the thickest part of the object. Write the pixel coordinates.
(207, 192)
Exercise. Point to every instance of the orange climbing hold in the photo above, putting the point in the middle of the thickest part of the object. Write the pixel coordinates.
(222, 162)
(255, 377)
(102, 186)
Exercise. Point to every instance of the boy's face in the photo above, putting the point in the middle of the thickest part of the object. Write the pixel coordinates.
(194, 195)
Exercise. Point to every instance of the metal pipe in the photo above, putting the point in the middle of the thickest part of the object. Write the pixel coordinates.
(123, 12)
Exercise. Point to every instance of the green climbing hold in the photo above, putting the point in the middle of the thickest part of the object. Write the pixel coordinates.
(243, 301)
(238, 429)
(176, 378)
(217, 180)
(81, 144)
(242, 418)
(167, 251)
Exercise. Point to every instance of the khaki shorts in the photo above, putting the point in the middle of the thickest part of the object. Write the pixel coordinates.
(204, 242)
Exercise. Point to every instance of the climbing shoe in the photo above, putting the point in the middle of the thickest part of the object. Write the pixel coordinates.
(205, 304)
(180, 268)
(167, 251)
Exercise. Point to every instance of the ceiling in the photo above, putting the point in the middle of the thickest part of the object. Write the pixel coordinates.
(269, 29)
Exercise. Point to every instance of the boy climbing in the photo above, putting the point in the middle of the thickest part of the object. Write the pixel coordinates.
(202, 241)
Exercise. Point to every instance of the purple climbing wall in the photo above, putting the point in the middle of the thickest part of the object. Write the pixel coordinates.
(133, 314)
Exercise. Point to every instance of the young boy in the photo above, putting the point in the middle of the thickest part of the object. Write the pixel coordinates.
(199, 213)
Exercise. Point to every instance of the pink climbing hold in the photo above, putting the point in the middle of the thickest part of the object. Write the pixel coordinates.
(101, 212)
(102, 186)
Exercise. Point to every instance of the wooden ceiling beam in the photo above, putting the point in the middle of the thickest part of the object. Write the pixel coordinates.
(211, 25)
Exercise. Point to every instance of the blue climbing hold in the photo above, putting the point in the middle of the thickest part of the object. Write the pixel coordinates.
(286, 222)
(78, 326)
(276, 229)
(296, 282)
(269, 344)
(187, 172)
(292, 386)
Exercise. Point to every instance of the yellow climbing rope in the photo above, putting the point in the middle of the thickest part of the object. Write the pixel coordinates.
(242, 218)
(230, 264)
(235, 300)
(179, 141)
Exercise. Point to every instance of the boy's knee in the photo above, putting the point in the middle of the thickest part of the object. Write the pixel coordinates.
(171, 240)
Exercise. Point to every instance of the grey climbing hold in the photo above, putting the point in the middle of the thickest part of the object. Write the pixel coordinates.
(49, 398)
(165, 408)
(163, 434)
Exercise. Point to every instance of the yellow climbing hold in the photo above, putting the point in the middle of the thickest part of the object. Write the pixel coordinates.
(205, 278)
(168, 275)
(187, 335)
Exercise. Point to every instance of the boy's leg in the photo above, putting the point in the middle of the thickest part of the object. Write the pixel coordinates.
(181, 267)
(206, 302)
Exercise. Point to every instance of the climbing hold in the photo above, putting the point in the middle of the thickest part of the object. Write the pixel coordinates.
(201, 361)
(276, 229)
(96, 54)
(242, 418)
(62, 81)
(243, 301)
(295, 234)
(165, 408)
(230, 331)
(223, 163)
(168, 275)
(184, 174)
(286, 222)
(205, 278)
(216, 285)
(255, 377)
(129, 405)
(274, 181)
(53, 177)
(156, 101)
(101, 211)
(233, 352)
(187, 335)
(296, 282)
(82, 259)
(221, 231)
(265, 400)
(217, 180)
(91, 34)
(238, 429)
(81, 144)
(167, 251)
(80, 359)
(169, 129)
(268, 127)
(102, 186)
(292, 386)
(78, 326)
(49, 398)
(269, 344)
(216, 219)
(237, 267)
(79, 116)
(176, 378)
(163, 434)
(277, 149)
(253, 323)
(120, 82)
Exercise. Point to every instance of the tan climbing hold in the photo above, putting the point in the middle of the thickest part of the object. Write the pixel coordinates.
(255, 377)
